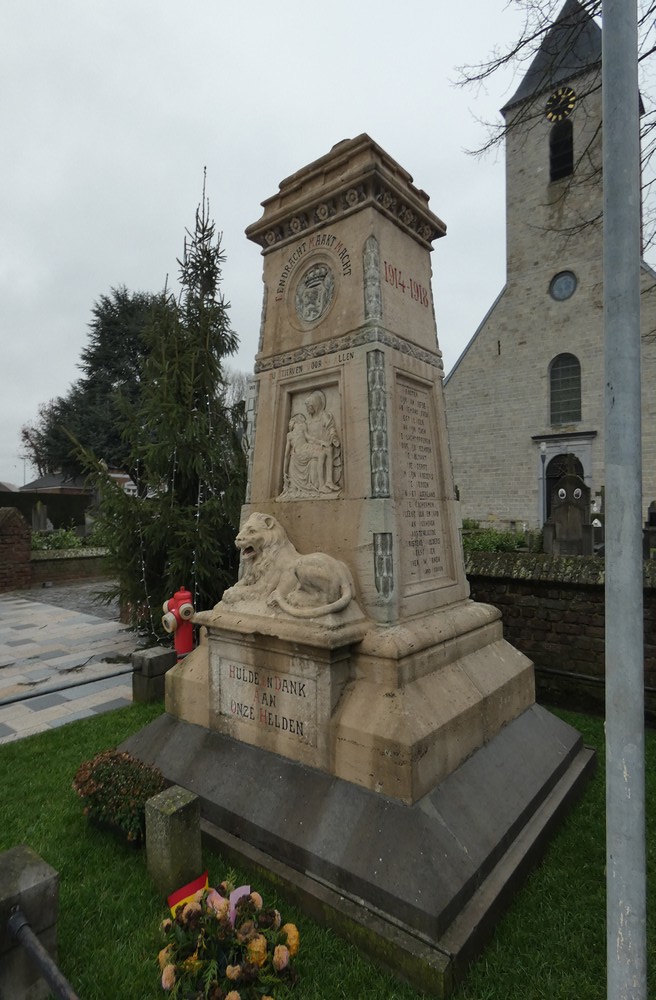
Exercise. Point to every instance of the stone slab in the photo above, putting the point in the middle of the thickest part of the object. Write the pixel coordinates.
(20, 976)
(421, 863)
(154, 662)
(26, 880)
(147, 689)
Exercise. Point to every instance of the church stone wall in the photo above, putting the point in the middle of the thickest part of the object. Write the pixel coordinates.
(553, 611)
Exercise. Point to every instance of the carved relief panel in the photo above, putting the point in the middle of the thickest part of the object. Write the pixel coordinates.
(312, 461)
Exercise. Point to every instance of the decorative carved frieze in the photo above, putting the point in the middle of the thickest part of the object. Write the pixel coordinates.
(248, 441)
(410, 218)
(359, 338)
(378, 441)
(384, 563)
(373, 300)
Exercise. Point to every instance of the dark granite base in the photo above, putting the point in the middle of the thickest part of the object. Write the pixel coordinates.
(422, 866)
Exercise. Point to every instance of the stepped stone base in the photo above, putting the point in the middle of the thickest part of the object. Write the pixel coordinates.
(433, 873)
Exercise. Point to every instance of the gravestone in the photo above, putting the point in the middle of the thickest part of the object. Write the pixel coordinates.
(353, 714)
(569, 531)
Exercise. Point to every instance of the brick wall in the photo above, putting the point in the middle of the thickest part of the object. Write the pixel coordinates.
(553, 611)
(21, 568)
(52, 566)
(15, 542)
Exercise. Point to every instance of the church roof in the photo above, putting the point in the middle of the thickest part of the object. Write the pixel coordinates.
(570, 47)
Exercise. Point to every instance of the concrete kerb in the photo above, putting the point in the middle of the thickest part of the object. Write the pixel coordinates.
(74, 682)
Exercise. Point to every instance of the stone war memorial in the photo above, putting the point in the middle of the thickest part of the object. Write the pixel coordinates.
(351, 720)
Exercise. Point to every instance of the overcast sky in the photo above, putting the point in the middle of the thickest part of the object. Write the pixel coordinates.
(112, 108)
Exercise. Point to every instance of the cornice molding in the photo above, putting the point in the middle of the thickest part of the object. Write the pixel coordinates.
(362, 176)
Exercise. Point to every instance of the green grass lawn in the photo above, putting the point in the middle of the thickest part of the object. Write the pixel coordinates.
(551, 944)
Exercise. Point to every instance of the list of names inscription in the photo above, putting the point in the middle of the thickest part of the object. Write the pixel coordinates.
(419, 493)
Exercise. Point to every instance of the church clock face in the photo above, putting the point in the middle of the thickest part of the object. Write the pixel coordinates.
(561, 104)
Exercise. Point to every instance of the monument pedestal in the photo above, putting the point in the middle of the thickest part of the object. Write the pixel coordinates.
(391, 708)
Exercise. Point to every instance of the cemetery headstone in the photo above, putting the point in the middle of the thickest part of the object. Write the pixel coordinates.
(569, 530)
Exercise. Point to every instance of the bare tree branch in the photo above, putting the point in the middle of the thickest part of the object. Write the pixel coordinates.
(539, 17)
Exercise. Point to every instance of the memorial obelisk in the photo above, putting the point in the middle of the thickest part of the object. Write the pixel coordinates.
(349, 697)
(349, 457)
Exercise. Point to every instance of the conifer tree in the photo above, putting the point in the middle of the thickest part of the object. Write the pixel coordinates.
(94, 408)
(186, 448)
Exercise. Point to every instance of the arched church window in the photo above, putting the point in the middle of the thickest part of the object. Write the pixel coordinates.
(561, 150)
(565, 386)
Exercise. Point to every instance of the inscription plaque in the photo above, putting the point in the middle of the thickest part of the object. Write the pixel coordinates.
(264, 699)
(421, 528)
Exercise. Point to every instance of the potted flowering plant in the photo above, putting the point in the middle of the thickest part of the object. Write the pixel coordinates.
(115, 787)
(222, 944)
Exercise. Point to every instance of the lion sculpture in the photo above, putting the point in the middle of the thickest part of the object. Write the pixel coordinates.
(273, 572)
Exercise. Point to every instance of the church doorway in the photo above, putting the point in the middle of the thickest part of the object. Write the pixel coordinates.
(561, 465)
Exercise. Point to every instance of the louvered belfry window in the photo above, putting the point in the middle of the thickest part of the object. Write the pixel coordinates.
(561, 150)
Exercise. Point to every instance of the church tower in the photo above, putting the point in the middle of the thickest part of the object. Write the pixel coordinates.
(553, 163)
(525, 401)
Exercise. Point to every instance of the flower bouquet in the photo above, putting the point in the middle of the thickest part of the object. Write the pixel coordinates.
(221, 944)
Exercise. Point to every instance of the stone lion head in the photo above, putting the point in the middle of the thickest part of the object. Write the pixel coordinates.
(258, 534)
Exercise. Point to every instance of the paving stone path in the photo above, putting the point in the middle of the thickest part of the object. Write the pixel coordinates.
(63, 656)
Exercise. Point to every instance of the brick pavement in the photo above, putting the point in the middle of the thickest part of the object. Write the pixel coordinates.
(63, 657)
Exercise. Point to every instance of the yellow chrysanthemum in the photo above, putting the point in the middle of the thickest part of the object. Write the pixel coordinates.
(257, 950)
(257, 900)
(233, 972)
(293, 938)
(233, 995)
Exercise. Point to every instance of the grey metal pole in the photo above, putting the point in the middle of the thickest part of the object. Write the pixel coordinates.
(625, 758)
(19, 928)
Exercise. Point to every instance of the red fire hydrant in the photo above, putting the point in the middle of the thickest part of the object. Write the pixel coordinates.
(176, 619)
